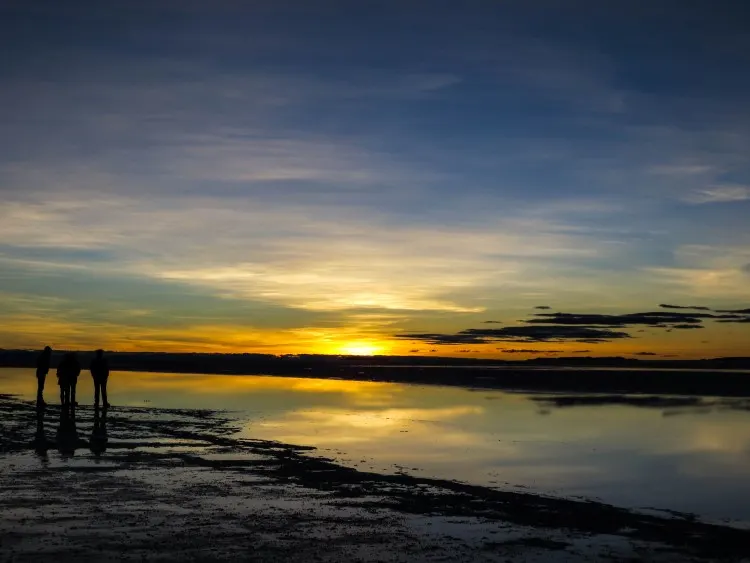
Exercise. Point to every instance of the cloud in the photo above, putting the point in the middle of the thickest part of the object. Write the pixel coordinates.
(682, 170)
(740, 316)
(493, 322)
(440, 339)
(704, 282)
(746, 268)
(519, 334)
(529, 351)
(720, 194)
(696, 307)
(591, 328)
(655, 319)
(645, 354)
(709, 270)
(547, 333)
(542, 307)
(315, 257)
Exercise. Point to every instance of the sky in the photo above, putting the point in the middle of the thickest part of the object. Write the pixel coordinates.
(480, 178)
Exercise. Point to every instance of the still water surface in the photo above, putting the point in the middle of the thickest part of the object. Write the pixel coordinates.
(686, 459)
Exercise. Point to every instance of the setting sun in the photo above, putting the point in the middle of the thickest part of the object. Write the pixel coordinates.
(360, 349)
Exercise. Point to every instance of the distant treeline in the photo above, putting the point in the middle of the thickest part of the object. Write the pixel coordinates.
(605, 374)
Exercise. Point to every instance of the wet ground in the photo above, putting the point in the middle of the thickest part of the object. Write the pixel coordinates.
(182, 484)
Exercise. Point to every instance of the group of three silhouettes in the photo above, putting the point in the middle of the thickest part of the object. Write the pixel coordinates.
(68, 371)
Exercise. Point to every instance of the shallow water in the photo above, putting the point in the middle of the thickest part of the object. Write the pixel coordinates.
(678, 458)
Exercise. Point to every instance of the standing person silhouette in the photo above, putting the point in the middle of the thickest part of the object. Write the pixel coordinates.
(100, 373)
(42, 368)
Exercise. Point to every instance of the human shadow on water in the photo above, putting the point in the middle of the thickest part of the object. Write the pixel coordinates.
(67, 434)
(41, 444)
(98, 441)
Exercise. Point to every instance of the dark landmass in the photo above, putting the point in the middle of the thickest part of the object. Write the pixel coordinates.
(718, 376)
(181, 485)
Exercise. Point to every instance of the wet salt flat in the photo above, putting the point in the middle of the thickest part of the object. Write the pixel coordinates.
(665, 455)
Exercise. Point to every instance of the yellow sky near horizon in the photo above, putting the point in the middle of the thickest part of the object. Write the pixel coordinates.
(726, 340)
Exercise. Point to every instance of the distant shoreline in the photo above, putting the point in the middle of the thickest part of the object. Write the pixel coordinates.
(718, 377)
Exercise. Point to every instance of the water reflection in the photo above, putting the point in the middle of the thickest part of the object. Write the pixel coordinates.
(41, 445)
(67, 433)
(624, 454)
(99, 439)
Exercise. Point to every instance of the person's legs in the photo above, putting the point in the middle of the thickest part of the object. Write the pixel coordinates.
(40, 377)
(105, 402)
(73, 393)
(97, 387)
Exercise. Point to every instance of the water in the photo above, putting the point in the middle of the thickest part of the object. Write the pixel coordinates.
(684, 459)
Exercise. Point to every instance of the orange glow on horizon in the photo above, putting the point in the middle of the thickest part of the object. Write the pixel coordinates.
(357, 339)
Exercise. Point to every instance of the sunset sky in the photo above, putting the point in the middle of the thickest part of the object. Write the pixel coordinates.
(376, 176)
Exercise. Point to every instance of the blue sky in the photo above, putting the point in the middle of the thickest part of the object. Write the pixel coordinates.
(295, 176)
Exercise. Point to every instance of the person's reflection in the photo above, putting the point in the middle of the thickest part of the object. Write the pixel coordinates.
(67, 435)
(98, 442)
(41, 445)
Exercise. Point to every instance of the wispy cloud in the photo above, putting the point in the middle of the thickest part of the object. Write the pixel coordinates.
(706, 271)
(720, 194)
(310, 257)
(683, 170)
(695, 307)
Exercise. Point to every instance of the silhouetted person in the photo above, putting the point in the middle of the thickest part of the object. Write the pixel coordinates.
(98, 442)
(42, 368)
(67, 434)
(67, 377)
(100, 373)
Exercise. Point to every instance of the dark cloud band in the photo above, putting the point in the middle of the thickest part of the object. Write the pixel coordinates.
(583, 327)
